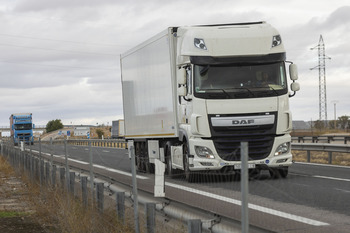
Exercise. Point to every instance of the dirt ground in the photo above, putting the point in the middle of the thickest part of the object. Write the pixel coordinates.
(15, 213)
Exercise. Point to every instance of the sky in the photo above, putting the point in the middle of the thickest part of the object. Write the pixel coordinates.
(60, 59)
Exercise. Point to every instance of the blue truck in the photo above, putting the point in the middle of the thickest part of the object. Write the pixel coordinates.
(21, 127)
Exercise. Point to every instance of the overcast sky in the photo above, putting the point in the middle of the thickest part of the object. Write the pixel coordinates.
(60, 59)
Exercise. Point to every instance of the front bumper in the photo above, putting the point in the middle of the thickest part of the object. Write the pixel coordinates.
(201, 164)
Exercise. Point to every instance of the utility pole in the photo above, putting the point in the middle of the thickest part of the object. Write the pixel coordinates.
(322, 80)
(335, 113)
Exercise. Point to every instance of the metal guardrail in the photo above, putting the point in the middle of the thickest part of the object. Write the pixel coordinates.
(115, 143)
(330, 148)
(328, 139)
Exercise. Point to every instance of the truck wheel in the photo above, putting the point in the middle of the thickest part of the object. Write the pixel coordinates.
(274, 173)
(283, 172)
(169, 168)
(189, 176)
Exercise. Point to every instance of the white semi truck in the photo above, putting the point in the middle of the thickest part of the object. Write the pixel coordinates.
(192, 94)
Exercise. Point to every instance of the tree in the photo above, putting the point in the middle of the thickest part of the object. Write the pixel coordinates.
(54, 125)
(332, 124)
(344, 122)
(319, 125)
(100, 133)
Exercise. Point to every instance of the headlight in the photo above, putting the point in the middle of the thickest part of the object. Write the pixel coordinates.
(204, 152)
(276, 40)
(282, 149)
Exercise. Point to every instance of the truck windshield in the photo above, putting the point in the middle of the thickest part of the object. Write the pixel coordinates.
(23, 127)
(239, 81)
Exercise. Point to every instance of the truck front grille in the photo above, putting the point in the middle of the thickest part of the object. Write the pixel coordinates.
(23, 136)
(260, 138)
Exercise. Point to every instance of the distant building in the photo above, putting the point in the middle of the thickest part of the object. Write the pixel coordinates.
(81, 131)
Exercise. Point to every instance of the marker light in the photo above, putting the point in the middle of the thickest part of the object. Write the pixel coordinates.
(276, 40)
(199, 43)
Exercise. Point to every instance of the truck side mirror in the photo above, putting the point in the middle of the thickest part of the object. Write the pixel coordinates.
(33, 126)
(182, 90)
(181, 76)
(293, 72)
(295, 86)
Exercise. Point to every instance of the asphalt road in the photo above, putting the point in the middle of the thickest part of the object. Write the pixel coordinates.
(313, 198)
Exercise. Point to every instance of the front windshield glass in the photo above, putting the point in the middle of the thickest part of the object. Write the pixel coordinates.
(23, 127)
(240, 80)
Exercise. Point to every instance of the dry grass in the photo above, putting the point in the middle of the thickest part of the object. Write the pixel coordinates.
(64, 213)
(6, 169)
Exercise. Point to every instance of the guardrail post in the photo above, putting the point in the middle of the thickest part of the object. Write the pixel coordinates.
(47, 172)
(53, 175)
(308, 153)
(71, 182)
(120, 199)
(84, 193)
(330, 157)
(100, 196)
(42, 173)
(150, 217)
(62, 176)
(194, 226)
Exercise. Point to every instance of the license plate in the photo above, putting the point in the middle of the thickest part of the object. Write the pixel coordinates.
(239, 166)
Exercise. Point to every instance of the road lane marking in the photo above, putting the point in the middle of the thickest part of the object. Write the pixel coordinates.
(120, 172)
(343, 190)
(103, 167)
(251, 206)
(332, 178)
(323, 165)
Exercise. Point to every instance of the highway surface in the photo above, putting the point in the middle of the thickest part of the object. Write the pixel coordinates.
(313, 198)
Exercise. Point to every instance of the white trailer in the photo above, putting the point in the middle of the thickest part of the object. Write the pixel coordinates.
(194, 93)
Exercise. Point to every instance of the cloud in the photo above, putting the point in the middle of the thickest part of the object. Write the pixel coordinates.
(62, 57)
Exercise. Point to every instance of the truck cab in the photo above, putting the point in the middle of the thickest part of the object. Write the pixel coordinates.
(234, 88)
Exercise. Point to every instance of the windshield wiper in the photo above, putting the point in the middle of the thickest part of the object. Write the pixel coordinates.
(240, 88)
(212, 91)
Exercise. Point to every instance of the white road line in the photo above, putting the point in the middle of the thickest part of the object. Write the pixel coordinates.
(323, 165)
(343, 190)
(120, 172)
(332, 178)
(251, 206)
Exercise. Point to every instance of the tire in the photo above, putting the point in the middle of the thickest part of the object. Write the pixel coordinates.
(189, 175)
(169, 170)
(283, 172)
(274, 173)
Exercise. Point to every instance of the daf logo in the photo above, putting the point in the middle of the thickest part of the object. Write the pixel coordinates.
(242, 122)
